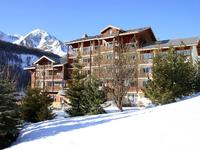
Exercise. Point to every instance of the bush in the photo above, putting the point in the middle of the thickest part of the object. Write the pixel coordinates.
(36, 106)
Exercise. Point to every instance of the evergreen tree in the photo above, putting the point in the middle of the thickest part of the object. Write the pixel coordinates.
(78, 105)
(9, 115)
(36, 106)
(94, 96)
(173, 77)
(197, 77)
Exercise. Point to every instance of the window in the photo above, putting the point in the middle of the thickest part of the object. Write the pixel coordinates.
(109, 56)
(131, 57)
(87, 49)
(110, 44)
(184, 52)
(37, 74)
(147, 69)
(56, 83)
(49, 83)
(86, 60)
(126, 82)
(50, 72)
(38, 83)
(148, 56)
(144, 83)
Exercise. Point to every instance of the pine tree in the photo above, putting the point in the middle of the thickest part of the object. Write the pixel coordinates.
(36, 106)
(78, 105)
(173, 77)
(9, 115)
(197, 77)
(94, 96)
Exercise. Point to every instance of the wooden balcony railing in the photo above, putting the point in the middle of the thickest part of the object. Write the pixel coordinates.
(95, 63)
(49, 66)
(106, 61)
(146, 61)
(106, 48)
(86, 53)
(143, 74)
(53, 88)
(86, 64)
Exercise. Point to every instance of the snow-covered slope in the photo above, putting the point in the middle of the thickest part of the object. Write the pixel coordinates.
(43, 40)
(174, 126)
(8, 38)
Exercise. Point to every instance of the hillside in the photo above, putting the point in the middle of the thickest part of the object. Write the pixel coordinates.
(15, 58)
(173, 126)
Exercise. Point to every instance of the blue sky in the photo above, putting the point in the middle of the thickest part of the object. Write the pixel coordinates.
(70, 19)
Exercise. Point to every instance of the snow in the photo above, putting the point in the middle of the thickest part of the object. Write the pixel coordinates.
(41, 39)
(173, 126)
(37, 38)
(8, 38)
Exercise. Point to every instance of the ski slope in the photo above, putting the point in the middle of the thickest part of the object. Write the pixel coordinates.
(171, 127)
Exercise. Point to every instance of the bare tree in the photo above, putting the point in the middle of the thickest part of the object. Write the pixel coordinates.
(121, 71)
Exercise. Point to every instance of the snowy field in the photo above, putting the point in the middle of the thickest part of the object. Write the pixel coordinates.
(170, 127)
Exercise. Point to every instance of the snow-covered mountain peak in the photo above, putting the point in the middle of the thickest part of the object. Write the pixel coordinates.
(7, 37)
(39, 38)
(38, 32)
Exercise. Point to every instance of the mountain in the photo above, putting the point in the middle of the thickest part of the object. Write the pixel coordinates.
(43, 40)
(8, 38)
(39, 39)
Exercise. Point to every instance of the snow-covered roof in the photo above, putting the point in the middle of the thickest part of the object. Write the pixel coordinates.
(109, 26)
(173, 42)
(42, 58)
(29, 68)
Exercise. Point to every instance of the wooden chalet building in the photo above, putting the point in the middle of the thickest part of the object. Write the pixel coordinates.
(146, 47)
(53, 74)
(50, 74)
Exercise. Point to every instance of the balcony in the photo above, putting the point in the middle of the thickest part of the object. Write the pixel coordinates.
(86, 64)
(53, 88)
(135, 89)
(106, 48)
(106, 61)
(86, 50)
(95, 63)
(143, 74)
(49, 66)
(146, 61)
(51, 77)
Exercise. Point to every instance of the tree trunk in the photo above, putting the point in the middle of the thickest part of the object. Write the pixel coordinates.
(119, 106)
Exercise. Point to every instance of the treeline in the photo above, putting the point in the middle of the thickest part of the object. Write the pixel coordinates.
(18, 49)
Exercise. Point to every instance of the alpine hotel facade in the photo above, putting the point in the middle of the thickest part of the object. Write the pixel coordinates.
(53, 75)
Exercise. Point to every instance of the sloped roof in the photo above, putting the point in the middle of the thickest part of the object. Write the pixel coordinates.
(173, 42)
(100, 36)
(110, 26)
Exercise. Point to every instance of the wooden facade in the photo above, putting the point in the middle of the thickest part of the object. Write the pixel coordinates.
(98, 54)
(47, 75)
